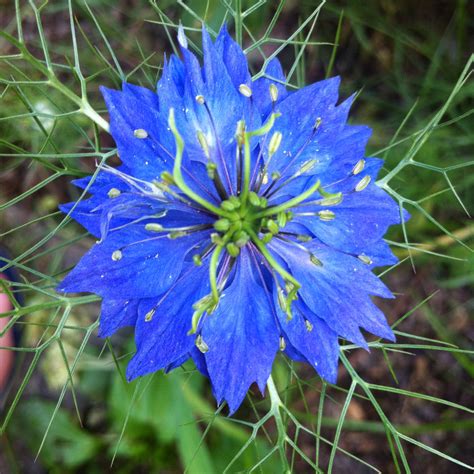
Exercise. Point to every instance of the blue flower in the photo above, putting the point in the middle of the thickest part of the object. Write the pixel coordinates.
(244, 220)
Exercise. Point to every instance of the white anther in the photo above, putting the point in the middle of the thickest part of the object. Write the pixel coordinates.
(306, 167)
(275, 143)
(359, 166)
(273, 92)
(117, 255)
(363, 183)
(365, 259)
(326, 215)
(153, 227)
(203, 142)
(245, 90)
(200, 99)
(201, 345)
(149, 315)
(140, 133)
(282, 343)
(330, 201)
(113, 193)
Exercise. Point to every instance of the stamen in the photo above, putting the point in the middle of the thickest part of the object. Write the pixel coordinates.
(201, 345)
(303, 147)
(200, 99)
(197, 260)
(326, 215)
(304, 238)
(304, 168)
(153, 227)
(245, 90)
(276, 176)
(359, 166)
(114, 192)
(117, 255)
(273, 92)
(211, 169)
(140, 133)
(203, 142)
(309, 326)
(307, 166)
(315, 260)
(142, 186)
(330, 201)
(363, 183)
(275, 142)
(282, 344)
(177, 234)
(365, 259)
(149, 315)
(167, 178)
(219, 148)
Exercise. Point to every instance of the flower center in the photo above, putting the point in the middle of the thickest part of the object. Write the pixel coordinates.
(241, 221)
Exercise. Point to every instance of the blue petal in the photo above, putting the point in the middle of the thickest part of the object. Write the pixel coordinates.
(199, 361)
(217, 118)
(299, 114)
(361, 220)
(116, 314)
(164, 339)
(242, 336)
(82, 213)
(103, 182)
(233, 57)
(380, 254)
(338, 291)
(319, 346)
(146, 157)
(148, 267)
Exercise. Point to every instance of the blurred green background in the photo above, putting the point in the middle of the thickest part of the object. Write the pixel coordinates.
(404, 58)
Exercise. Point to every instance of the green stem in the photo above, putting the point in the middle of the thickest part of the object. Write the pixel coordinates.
(288, 204)
(82, 102)
(276, 404)
(178, 175)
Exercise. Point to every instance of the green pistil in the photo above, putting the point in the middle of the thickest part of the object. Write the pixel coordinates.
(292, 284)
(178, 175)
(213, 268)
(246, 136)
(272, 211)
